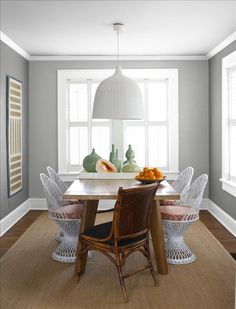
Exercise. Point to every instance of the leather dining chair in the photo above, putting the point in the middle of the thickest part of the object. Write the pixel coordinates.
(127, 233)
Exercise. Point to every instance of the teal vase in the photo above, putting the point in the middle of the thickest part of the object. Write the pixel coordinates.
(112, 153)
(89, 162)
(130, 167)
(117, 162)
(129, 154)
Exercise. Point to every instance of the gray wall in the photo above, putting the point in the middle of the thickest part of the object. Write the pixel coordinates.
(193, 113)
(223, 199)
(16, 66)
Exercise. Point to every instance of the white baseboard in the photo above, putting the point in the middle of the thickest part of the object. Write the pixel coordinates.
(40, 204)
(37, 204)
(205, 204)
(13, 217)
(225, 219)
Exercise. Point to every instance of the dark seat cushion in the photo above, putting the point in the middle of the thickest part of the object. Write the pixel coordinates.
(102, 231)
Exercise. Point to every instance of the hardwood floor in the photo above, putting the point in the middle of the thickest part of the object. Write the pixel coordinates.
(219, 231)
(12, 235)
(215, 227)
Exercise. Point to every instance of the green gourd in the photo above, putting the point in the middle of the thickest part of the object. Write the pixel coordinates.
(89, 162)
(130, 167)
(129, 154)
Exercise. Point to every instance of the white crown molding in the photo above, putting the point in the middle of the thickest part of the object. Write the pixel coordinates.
(222, 45)
(113, 58)
(5, 39)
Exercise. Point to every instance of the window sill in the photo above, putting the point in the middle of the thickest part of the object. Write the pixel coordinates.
(69, 177)
(228, 186)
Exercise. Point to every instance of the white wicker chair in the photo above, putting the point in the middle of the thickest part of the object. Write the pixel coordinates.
(62, 187)
(180, 185)
(177, 219)
(66, 217)
(53, 175)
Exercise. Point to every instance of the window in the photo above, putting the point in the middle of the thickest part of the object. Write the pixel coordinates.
(154, 139)
(229, 123)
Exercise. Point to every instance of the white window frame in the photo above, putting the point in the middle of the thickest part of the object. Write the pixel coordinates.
(227, 184)
(117, 126)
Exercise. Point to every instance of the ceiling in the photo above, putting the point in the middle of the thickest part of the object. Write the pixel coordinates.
(85, 27)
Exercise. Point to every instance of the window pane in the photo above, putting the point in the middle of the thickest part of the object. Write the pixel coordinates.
(157, 101)
(135, 135)
(233, 151)
(141, 86)
(101, 141)
(78, 98)
(232, 94)
(78, 145)
(157, 144)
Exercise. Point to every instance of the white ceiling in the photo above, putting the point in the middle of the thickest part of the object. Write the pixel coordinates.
(85, 27)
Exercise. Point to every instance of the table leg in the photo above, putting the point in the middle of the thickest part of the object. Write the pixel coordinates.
(87, 221)
(158, 238)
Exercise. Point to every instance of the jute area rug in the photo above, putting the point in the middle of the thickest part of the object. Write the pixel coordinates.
(31, 279)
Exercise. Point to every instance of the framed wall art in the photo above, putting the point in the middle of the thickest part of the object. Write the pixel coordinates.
(14, 135)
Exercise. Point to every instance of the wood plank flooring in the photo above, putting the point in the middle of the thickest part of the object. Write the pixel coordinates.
(219, 231)
(215, 227)
(15, 232)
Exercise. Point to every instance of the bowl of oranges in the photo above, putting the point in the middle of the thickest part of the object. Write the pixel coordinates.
(150, 175)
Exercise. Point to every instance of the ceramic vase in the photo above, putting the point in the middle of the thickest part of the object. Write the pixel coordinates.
(129, 154)
(112, 153)
(130, 167)
(89, 162)
(117, 162)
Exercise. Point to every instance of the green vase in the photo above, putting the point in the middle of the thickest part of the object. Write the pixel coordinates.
(130, 167)
(89, 162)
(112, 153)
(117, 162)
(129, 154)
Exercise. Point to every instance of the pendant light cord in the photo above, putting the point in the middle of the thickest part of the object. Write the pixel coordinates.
(118, 46)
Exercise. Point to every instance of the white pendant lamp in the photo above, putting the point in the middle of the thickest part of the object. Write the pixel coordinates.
(118, 97)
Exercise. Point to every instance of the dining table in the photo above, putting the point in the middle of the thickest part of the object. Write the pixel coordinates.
(90, 191)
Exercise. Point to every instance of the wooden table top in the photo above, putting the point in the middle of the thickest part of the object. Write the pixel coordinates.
(107, 189)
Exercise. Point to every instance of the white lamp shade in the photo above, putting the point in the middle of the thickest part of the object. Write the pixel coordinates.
(118, 97)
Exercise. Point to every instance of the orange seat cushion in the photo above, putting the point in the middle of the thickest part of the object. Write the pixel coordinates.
(73, 211)
(177, 213)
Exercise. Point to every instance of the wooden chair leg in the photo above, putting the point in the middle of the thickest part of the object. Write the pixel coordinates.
(78, 260)
(151, 265)
(122, 283)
